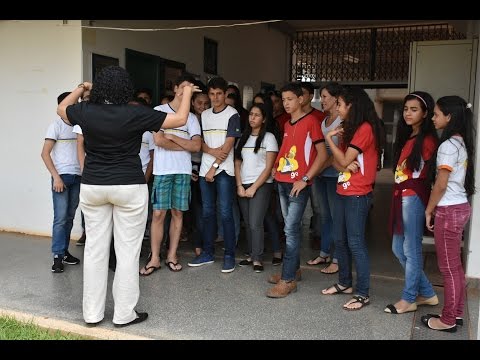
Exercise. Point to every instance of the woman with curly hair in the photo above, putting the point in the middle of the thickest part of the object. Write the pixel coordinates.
(114, 195)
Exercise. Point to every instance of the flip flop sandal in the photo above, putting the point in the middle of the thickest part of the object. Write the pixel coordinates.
(363, 300)
(338, 289)
(322, 260)
(155, 268)
(172, 266)
(329, 272)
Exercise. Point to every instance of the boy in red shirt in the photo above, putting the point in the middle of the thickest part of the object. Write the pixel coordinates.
(299, 160)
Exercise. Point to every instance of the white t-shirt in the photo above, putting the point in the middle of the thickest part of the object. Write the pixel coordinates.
(64, 152)
(175, 161)
(77, 129)
(330, 171)
(254, 164)
(452, 156)
(147, 145)
(216, 127)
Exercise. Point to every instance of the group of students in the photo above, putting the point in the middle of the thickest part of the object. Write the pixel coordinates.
(336, 152)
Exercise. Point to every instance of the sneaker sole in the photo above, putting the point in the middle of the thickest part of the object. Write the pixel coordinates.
(204, 263)
(228, 270)
(71, 263)
(57, 271)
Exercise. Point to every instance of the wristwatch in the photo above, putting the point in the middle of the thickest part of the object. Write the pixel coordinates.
(215, 165)
(305, 178)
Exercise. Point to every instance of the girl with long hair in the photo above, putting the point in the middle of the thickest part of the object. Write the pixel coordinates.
(255, 155)
(415, 144)
(360, 146)
(449, 205)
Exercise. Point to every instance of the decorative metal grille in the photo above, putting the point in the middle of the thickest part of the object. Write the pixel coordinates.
(360, 55)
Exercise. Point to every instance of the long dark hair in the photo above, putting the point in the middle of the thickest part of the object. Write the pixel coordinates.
(362, 110)
(404, 132)
(248, 131)
(112, 86)
(461, 122)
(271, 123)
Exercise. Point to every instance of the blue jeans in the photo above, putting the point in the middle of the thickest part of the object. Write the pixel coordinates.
(293, 208)
(223, 188)
(349, 230)
(326, 190)
(236, 217)
(407, 247)
(65, 204)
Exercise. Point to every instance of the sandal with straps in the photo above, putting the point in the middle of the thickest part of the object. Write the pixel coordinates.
(338, 290)
(363, 300)
(319, 260)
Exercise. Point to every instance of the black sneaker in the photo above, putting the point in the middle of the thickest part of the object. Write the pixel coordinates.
(57, 266)
(276, 261)
(258, 268)
(70, 259)
(245, 262)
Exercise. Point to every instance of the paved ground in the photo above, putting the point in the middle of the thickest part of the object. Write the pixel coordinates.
(203, 303)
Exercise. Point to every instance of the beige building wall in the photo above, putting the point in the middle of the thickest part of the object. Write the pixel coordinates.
(247, 55)
(40, 60)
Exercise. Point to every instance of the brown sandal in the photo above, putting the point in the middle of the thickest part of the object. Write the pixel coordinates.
(319, 260)
(325, 271)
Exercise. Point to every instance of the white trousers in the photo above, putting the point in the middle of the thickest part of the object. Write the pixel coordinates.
(123, 208)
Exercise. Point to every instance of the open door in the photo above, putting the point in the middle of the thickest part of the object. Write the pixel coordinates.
(152, 72)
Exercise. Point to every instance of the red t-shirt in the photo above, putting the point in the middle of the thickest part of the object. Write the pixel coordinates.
(403, 173)
(360, 183)
(281, 120)
(320, 115)
(298, 152)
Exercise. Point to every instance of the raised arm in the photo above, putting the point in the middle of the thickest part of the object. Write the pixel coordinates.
(179, 118)
(80, 91)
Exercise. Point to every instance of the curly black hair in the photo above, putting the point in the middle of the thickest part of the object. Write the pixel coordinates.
(112, 86)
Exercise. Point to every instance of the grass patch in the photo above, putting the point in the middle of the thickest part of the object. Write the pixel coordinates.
(12, 329)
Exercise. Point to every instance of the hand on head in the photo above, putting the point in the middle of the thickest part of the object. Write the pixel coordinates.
(193, 88)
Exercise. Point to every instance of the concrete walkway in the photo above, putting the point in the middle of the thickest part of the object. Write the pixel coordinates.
(203, 303)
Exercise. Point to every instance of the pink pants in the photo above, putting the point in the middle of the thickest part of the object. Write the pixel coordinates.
(449, 223)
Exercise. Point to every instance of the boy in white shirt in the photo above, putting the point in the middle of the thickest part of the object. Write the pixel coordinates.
(59, 154)
(172, 168)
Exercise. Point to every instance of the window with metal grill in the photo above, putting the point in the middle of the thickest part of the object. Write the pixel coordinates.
(373, 55)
